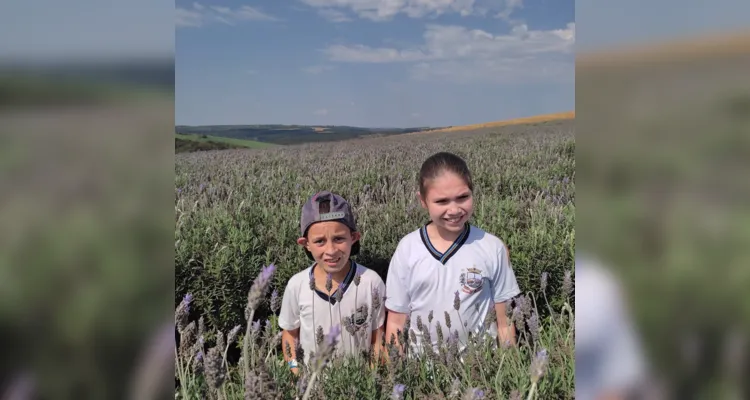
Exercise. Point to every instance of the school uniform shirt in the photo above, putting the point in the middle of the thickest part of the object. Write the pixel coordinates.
(609, 356)
(421, 279)
(307, 309)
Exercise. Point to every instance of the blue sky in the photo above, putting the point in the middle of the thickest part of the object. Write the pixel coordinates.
(437, 77)
(394, 63)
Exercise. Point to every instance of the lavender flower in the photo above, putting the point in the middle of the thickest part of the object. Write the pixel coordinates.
(319, 335)
(515, 395)
(533, 323)
(398, 391)
(233, 334)
(525, 304)
(312, 282)
(490, 319)
(299, 352)
(258, 290)
(329, 282)
(275, 301)
(518, 317)
(326, 350)
(475, 394)
(539, 365)
(420, 325)
(215, 372)
(198, 362)
(255, 326)
(182, 313)
(357, 279)
(447, 320)
(375, 302)
(429, 317)
(544, 281)
(567, 286)
(339, 294)
(332, 338)
(456, 302)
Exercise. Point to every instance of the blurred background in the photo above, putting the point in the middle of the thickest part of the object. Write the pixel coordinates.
(663, 190)
(86, 199)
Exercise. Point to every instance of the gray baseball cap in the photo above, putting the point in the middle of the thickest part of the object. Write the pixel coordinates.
(339, 210)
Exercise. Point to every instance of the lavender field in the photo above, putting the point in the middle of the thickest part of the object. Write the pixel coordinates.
(237, 218)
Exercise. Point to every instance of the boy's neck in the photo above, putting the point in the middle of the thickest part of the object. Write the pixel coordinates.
(338, 277)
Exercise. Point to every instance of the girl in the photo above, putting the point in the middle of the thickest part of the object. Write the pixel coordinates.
(448, 272)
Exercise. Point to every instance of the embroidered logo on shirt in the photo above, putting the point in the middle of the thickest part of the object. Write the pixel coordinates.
(471, 280)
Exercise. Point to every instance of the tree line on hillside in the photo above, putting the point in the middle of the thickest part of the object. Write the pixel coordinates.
(292, 134)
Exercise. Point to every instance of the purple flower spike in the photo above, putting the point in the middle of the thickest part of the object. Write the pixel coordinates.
(333, 335)
(398, 391)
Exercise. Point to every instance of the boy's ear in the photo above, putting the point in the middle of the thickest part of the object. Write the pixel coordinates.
(356, 236)
(302, 241)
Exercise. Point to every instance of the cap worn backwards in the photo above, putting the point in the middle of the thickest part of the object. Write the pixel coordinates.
(339, 210)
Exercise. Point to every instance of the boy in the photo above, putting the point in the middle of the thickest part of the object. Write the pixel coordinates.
(334, 290)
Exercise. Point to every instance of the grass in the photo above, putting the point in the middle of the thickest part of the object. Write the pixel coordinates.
(234, 143)
(236, 211)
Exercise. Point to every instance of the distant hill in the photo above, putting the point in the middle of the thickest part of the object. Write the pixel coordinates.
(291, 134)
(190, 143)
(297, 134)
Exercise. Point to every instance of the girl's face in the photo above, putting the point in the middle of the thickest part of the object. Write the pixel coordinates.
(449, 201)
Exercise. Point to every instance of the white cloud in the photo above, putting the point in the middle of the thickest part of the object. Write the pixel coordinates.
(384, 10)
(447, 42)
(510, 7)
(461, 54)
(317, 69)
(201, 15)
(321, 112)
(334, 15)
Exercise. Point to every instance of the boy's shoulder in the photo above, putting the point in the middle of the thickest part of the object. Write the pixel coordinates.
(368, 274)
(301, 277)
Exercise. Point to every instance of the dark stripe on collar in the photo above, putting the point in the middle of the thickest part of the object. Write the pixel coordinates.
(452, 250)
(426, 240)
(456, 245)
(344, 285)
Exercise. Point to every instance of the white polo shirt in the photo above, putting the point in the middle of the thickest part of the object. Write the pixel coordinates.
(307, 309)
(609, 355)
(421, 279)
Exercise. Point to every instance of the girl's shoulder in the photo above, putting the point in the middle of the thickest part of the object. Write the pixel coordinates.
(486, 239)
(409, 239)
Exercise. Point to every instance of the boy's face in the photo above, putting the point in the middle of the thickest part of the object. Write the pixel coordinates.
(330, 243)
